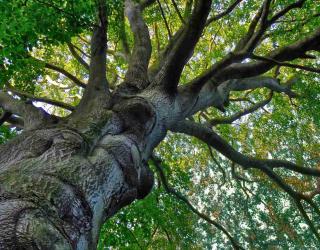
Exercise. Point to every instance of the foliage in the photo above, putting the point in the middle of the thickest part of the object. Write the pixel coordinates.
(253, 209)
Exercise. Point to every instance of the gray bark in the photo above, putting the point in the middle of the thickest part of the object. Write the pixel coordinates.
(61, 182)
(61, 178)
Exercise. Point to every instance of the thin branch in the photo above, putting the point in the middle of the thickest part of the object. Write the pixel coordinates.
(297, 197)
(284, 11)
(77, 56)
(66, 74)
(80, 50)
(177, 10)
(247, 44)
(290, 65)
(224, 13)
(218, 97)
(123, 38)
(16, 122)
(83, 39)
(117, 54)
(170, 190)
(41, 99)
(58, 9)
(265, 165)
(238, 177)
(236, 116)
(218, 164)
(164, 19)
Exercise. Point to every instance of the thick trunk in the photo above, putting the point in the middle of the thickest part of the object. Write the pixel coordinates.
(59, 184)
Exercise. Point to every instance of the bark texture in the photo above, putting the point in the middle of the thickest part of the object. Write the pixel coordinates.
(61, 178)
(58, 184)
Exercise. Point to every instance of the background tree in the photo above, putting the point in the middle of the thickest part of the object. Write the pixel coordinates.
(220, 99)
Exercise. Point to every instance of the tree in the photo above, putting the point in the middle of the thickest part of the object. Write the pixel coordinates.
(117, 78)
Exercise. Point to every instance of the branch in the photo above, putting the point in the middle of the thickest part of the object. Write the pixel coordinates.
(164, 19)
(177, 10)
(252, 39)
(290, 65)
(80, 50)
(284, 11)
(182, 46)
(124, 39)
(77, 56)
(214, 140)
(33, 117)
(242, 70)
(248, 43)
(41, 99)
(263, 81)
(242, 49)
(97, 90)
(265, 165)
(170, 190)
(223, 13)
(58, 9)
(11, 119)
(65, 73)
(236, 116)
(137, 74)
(218, 164)
(238, 177)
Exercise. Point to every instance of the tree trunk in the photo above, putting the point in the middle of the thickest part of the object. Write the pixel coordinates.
(59, 184)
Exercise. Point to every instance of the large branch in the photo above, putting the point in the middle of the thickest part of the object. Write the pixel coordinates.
(242, 48)
(211, 96)
(138, 66)
(97, 90)
(97, 93)
(265, 165)
(242, 70)
(258, 26)
(208, 136)
(33, 117)
(182, 48)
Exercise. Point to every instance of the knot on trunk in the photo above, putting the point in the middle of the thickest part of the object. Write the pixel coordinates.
(138, 114)
(146, 180)
(127, 154)
(33, 204)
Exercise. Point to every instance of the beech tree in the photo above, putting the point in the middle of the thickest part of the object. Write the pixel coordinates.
(207, 111)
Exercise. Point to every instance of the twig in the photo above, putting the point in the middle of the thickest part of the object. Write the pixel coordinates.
(170, 190)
